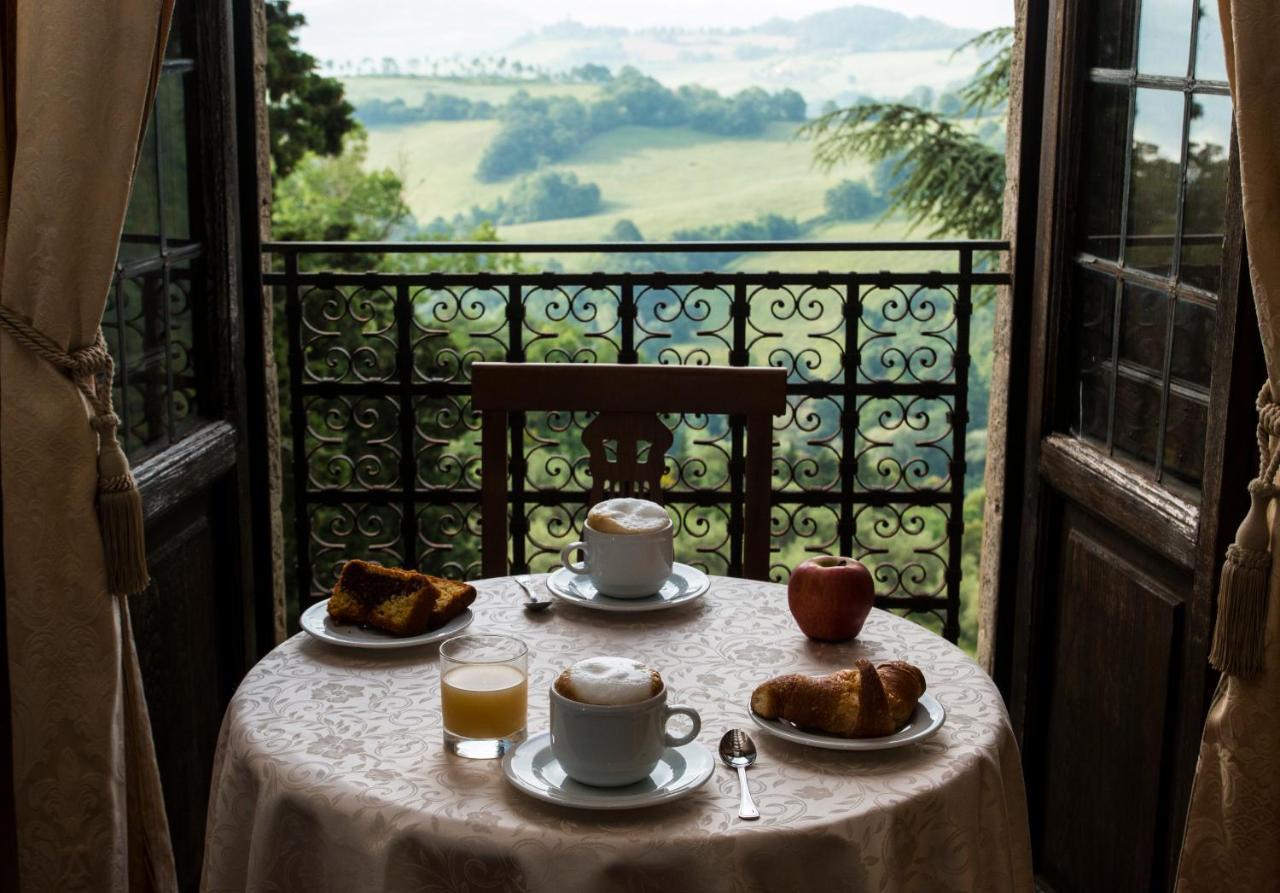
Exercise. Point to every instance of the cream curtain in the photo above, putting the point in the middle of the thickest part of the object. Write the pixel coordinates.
(1232, 839)
(78, 78)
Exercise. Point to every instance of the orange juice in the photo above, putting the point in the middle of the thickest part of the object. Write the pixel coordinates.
(484, 701)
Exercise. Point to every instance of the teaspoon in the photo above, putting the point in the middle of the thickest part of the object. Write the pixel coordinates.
(533, 603)
(738, 752)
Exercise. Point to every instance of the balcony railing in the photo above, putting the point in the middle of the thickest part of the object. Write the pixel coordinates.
(869, 459)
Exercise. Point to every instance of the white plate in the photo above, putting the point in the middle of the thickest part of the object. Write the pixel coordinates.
(532, 768)
(315, 620)
(926, 720)
(684, 585)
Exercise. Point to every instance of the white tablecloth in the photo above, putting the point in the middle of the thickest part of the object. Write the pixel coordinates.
(331, 774)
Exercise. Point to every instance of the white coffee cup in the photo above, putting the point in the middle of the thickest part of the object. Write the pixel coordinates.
(611, 745)
(623, 565)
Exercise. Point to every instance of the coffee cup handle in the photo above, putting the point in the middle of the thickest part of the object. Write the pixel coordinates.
(680, 710)
(566, 558)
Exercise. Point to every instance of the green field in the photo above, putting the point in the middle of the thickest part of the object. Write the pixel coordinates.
(662, 179)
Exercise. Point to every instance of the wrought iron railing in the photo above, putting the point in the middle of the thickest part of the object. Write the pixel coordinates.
(869, 459)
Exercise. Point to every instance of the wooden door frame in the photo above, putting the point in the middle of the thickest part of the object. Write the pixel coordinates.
(245, 88)
(1017, 397)
(1191, 535)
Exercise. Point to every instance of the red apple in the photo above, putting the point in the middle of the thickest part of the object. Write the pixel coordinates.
(830, 597)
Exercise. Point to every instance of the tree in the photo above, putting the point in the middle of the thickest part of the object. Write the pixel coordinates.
(333, 198)
(306, 112)
(852, 200)
(624, 230)
(550, 195)
(942, 172)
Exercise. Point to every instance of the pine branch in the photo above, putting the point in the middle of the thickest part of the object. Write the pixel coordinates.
(943, 175)
(989, 86)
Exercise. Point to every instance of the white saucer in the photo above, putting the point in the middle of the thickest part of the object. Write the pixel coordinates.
(926, 720)
(315, 620)
(684, 585)
(532, 769)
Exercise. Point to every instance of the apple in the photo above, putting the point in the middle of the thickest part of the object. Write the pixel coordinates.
(830, 597)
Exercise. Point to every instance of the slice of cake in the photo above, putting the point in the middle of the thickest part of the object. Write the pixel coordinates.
(401, 602)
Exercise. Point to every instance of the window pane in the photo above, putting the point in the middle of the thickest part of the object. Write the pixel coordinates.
(1142, 329)
(1137, 416)
(1092, 316)
(1164, 37)
(1101, 188)
(1205, 204)
(141, 236)
(1211, 64)
(1193, 329)
(184, 292)
(171, 118)
(142, 376)
(1139, 372)
(1184, 436)
(1110, 37)
(1153, 185)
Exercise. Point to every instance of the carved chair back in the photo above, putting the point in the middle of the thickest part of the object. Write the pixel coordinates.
(626, 442)
(627, 454)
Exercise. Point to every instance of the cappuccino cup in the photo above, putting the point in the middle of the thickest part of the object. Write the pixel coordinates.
(617, 743)
(626, 547)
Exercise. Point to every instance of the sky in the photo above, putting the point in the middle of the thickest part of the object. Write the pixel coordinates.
(352, 29)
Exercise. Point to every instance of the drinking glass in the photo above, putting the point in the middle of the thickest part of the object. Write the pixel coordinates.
(484, 694)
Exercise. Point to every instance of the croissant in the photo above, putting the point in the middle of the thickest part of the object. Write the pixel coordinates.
(864, 702)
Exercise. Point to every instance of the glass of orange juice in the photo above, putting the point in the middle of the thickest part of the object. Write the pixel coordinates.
(484, 694)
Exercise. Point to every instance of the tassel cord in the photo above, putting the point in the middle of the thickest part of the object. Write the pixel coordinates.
(1239, 635)
(92, 370)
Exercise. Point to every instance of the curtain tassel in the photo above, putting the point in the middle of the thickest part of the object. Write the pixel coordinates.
(119, 502)
(1240, 633)
(119, 514)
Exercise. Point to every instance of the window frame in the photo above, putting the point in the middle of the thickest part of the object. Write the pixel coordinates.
(1081, 76)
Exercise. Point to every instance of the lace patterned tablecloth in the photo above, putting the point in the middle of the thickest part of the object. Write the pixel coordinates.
(331, 775)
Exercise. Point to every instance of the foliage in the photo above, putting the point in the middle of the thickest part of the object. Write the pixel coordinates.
(765, 228)
(535, 130)
(591, 74)
(988, 89)
(434, 107)
(549, 195)
(852, 200)
(624, 230)
(336, 199)
(944, 174)
(541, 130)
(306, 112)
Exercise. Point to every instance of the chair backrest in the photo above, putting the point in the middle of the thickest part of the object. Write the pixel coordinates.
(627, 455)
(626, 441)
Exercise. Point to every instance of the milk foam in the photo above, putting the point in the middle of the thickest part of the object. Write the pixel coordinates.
(628, 516)
(609, 681)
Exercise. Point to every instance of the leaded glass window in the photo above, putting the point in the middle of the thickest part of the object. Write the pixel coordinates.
(1150, 202)
(150, 322)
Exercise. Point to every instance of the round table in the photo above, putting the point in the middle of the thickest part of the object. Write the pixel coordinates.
(331, 774)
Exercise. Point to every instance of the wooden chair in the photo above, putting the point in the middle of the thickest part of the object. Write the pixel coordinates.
(627, 400)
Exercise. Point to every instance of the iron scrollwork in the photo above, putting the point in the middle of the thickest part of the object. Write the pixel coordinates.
(868, 456)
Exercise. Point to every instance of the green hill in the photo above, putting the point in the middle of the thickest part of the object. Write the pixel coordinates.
(662, 179)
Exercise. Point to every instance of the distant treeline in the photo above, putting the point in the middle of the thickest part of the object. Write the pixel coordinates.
(434, 107)
(538, 130)
(548, 195)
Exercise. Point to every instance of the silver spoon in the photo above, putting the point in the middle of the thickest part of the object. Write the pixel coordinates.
(738, 752)
(533, 604)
